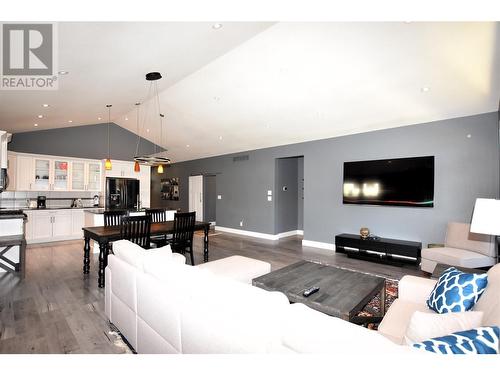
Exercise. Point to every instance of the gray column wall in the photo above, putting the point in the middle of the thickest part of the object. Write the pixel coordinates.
(466, 168)
(286, 201)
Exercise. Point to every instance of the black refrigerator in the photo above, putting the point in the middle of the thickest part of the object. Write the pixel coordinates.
(122, 193)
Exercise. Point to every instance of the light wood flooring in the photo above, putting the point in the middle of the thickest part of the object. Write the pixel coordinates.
(56, 309)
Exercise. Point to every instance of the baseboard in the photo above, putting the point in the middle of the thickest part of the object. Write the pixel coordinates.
(319, 245)
(266, 236)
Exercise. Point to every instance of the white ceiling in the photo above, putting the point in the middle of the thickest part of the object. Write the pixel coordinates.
(257, 86)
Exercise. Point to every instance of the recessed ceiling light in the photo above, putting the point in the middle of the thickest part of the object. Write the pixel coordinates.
(45, 105)
(220, 137)
(126, 118)
(188, 146)
(216, 26)
(99, 118)
(40, 116)
(62, 72)
(424, 89)
(70, 121)
(35, 125)
(147, 130)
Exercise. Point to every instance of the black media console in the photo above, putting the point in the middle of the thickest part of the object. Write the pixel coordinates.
(384, 250)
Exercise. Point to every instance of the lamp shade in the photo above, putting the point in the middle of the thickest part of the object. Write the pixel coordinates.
(486, 217)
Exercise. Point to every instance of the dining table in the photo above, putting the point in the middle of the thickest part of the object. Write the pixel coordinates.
(104, 235)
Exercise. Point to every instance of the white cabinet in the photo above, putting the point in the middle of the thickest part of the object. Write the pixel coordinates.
(93, 176)
(42, 174)
(11, 171)
(121, 169)
(60, 175)
(24, 175)
(77, 175)
(42, 225)
(61, 224)
(28, 228)
(77, 223)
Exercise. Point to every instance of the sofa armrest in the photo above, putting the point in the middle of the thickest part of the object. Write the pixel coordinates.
(415, 289)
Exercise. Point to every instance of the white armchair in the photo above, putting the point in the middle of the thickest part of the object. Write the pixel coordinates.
(462, 248)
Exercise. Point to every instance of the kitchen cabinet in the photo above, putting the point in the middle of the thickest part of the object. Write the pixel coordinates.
(28, 229)
(122, 169)
(42, 172)
(11, 171)
(42, 225)
(61, 224)
(60, 175)
(77, 223)
(54, 225)
(24, 175)
(93, 176)
(77, 175)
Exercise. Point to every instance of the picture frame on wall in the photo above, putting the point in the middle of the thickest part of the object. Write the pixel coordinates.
(170, 189)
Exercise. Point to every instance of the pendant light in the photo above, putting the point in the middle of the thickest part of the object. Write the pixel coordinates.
(107, 163)
(155, 159)
(137, 167)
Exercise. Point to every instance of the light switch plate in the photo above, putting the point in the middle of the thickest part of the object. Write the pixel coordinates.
(219, 197)
(269, 199)
(269, 192)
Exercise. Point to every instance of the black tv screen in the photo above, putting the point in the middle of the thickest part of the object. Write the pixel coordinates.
(390, 182)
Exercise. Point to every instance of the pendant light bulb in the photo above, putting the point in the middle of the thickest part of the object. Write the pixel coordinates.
(160, 168)
(107, 165)
(137, 167)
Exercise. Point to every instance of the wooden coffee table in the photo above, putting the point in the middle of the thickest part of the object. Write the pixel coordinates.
(342, 293)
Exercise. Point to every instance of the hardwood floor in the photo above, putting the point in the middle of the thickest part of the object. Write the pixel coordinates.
(56, 309)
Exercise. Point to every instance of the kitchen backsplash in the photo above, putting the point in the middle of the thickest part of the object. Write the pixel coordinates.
(55, 199)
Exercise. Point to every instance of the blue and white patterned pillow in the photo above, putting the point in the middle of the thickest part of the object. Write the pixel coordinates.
(456, 291)
(483, 340)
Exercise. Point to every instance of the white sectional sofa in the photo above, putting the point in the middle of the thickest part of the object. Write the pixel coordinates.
(161, 305)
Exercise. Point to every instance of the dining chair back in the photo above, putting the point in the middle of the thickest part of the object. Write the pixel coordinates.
(182, 240)
(158, 215)
(137, 229)
(114, 217)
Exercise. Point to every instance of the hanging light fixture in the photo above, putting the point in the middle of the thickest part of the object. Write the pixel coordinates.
(155, 159)
(107, 163)
(137, 167)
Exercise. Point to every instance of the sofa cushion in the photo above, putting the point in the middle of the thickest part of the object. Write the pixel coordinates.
(238, 268)
(135, 255)
(482, 340)
(305, 330)
(424, 325)
(458, 235)
(457, 257)
(397, 318)
(489, 303)
(456, 291)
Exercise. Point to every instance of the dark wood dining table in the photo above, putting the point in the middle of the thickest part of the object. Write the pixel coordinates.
(104, 235)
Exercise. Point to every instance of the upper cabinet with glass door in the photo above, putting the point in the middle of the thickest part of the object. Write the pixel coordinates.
(42, 169)
(93, 176)
(61, 175)
(77, 175)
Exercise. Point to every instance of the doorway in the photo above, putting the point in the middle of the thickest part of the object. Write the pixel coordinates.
(289, 196)
(196, 196)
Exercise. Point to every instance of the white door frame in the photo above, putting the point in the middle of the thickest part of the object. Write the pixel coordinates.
(196, 196)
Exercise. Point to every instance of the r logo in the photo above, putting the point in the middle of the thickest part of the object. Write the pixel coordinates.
(27, 49)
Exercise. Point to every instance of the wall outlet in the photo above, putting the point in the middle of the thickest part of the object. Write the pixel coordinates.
(241, 223)
(269, 199)
(269, 192)
(219, 197)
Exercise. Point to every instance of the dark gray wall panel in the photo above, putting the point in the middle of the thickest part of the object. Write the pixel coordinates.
(285, 217)
(300, 194)
(209, 197)
(466, 168)
(90, 141)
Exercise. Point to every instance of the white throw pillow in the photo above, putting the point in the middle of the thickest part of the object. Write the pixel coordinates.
(424, 326)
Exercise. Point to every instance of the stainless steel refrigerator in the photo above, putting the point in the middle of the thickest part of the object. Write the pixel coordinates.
(122, 193)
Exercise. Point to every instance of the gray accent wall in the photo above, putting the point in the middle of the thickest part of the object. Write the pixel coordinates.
(209, 197)
(300, 194)
(89, 141)
(465, 168)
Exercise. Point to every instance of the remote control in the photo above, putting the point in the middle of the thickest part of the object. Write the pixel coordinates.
(310, 291)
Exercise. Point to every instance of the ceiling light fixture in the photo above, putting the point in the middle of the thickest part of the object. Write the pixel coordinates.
(99, 118)
(216, 26)
(40, 116)
(188, 146)
(35, 125)
(107, 164)
(155, 159)
(45, 105)
(126, 118)
(220, 137)
(70, 121)
(62, 72)
(424, 89)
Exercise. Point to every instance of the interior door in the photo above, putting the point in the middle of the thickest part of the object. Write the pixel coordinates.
(196, 196)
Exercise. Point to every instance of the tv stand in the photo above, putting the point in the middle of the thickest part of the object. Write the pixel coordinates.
(384, 250)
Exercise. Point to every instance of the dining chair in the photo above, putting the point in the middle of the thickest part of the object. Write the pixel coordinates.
(137, 229)
(158, 215)
(182, 240)
(114, 217)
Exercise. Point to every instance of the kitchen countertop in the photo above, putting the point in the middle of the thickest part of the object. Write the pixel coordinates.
(12, 214)
(56, 208)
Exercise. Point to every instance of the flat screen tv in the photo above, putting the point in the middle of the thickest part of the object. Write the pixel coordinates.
(390, 182)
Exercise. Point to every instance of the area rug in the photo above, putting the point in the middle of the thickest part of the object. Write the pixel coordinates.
(373, 307)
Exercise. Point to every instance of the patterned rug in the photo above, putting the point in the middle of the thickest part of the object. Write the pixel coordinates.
(373, 307)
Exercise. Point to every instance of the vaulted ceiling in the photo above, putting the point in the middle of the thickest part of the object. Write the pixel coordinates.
(254, 85)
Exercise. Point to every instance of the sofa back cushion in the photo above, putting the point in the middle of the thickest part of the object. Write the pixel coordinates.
(489, 303)
(458, 235)
(135, 255)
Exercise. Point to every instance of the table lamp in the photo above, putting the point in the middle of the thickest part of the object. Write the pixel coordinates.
(486, 218)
